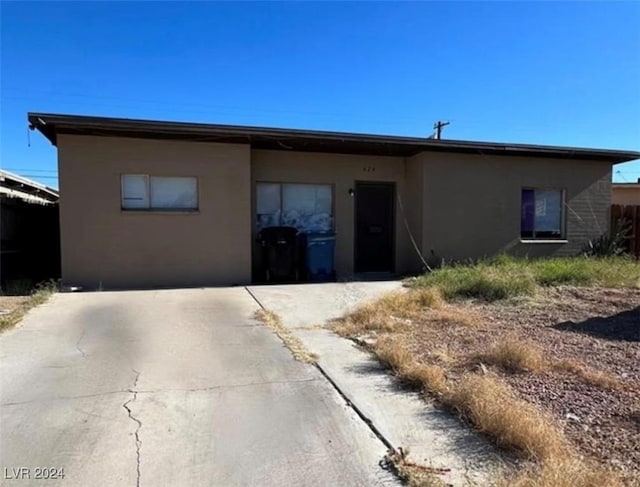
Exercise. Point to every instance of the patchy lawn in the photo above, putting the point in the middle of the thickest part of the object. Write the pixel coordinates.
(544, 369)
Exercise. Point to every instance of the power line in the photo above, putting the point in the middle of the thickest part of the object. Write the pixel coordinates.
(38, 176)
(29, 169)
(164, 104)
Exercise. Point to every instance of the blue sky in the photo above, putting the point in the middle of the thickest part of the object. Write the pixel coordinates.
(545, 73)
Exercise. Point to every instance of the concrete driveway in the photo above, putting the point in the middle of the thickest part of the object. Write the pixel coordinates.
(176, 387)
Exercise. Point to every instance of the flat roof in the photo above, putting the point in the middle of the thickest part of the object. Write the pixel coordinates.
(50, 125)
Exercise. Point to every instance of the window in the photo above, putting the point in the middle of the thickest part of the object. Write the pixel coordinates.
(542, 214)
(142, 192)
(308, 207)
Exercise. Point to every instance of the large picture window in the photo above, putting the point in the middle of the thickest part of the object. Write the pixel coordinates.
(307, 207)
(542, 214)
(143, 192)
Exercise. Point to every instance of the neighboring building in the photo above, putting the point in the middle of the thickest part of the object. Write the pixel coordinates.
(29, 233)
(149, 203)
(627, 194)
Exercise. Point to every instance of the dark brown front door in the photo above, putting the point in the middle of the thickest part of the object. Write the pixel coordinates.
(374, 239)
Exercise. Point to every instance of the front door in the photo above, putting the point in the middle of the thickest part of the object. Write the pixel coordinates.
(374, 239)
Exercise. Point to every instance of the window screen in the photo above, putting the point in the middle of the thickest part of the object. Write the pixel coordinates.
(308, 207)
(174, 193)
(141, 192)
(135, 191)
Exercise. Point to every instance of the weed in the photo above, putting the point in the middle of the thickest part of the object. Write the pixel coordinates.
(514, 355)
(611, 243)
(493, 408)
(571, 472)
(390, 313)
(507, 277)
(589, 376)
(298, 350)
(394, 354)
(39, 295)
(480, 281)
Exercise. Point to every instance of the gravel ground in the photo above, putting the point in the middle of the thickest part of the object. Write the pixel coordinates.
(598, 327)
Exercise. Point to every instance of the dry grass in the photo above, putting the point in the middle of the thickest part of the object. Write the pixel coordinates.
(431, 344)
(39, 296)
(395, 311)
(566, 473)
(298, 350)
(447, 317)
(489, 404)
(494, 409)
(444, 356)
(588, 375)
(392, 353)
(484, 400)
(514, 355)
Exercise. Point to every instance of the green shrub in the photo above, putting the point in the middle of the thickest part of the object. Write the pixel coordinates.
(610, 244)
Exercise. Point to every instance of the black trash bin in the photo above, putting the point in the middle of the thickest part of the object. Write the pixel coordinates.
(280, 253)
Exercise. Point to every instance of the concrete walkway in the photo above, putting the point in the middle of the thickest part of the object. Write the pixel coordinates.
(435, 438)
(175, 388)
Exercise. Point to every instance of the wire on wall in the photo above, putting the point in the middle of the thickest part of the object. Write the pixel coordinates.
(413, 240)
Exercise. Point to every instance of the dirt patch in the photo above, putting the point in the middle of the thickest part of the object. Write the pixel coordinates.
(597, 330)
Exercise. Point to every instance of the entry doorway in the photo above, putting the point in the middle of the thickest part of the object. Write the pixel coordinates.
(375, 227)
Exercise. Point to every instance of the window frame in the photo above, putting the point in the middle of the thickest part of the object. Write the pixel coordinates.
(563, 221)
(155, 209)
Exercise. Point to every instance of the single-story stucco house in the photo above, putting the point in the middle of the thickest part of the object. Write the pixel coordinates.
(152, 203)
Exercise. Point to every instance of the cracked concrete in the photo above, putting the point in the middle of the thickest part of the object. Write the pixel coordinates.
(216, 398)
(78, 343)
(402, 418)
(138, 427)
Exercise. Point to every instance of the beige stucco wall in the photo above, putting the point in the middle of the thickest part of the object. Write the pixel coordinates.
(456, 207)
(471, 204)
(625, 195)
(105, 246)
(342, 171)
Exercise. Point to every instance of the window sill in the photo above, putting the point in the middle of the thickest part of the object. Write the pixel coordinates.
(160, 212)
(544, 241)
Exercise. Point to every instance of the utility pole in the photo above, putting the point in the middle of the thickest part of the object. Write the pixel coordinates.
(438, 126)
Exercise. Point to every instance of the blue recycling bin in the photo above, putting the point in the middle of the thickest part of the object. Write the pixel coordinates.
(320, 252)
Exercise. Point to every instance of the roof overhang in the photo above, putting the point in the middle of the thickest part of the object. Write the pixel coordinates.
(16, 186)
(51, 125)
